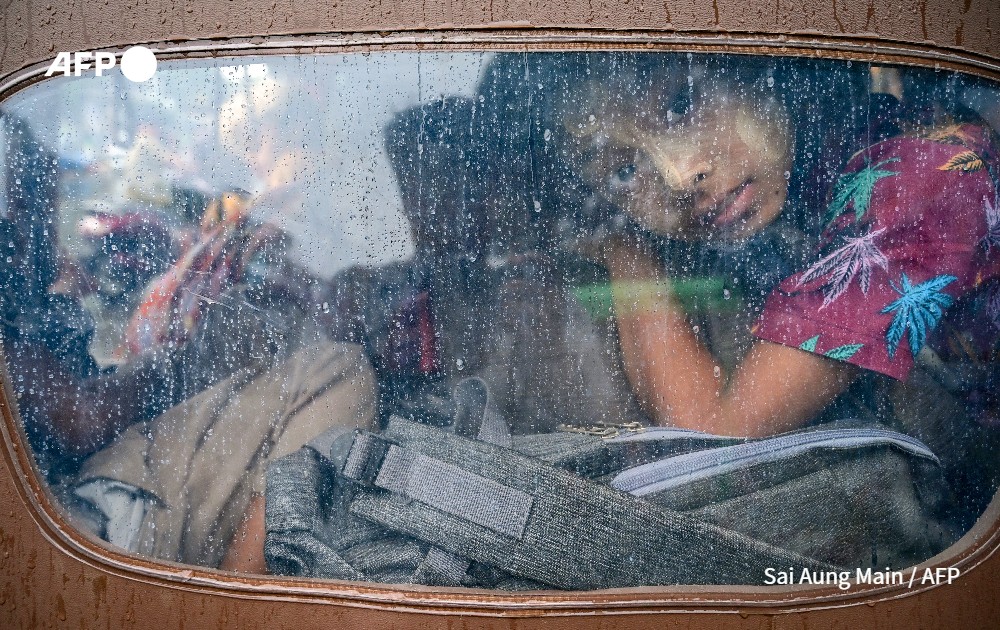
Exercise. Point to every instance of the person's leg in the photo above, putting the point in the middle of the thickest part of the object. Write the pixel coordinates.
(246, 549)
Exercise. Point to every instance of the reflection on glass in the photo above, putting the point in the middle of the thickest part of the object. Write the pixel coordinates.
(510, 321)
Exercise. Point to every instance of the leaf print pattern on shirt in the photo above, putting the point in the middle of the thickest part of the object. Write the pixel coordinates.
(809, 345)
(856, 189)
(966, 161)
(992, 224)
(918, 311)
(855, 259)
(840, 353)
(845, 352)
(951, 134)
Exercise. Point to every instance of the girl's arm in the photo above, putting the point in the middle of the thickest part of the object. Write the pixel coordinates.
(679, 383)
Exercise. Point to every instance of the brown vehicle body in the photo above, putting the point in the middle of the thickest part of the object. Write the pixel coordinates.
(51, 576)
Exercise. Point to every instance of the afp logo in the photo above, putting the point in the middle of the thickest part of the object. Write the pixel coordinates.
(138, 63)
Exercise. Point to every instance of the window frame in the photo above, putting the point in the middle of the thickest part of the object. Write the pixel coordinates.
(974, 549)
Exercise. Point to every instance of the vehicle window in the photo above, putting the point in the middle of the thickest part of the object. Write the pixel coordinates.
(509, 320)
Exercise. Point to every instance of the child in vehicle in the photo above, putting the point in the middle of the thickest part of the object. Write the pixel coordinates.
(906, 264)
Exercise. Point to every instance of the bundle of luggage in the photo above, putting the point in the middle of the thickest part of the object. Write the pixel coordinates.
(449, 497)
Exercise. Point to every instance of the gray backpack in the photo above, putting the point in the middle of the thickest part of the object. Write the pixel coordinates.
(601, 507)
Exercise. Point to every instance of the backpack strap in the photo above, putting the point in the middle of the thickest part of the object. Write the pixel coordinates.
(475, 416)
(490, 504)
(378, 463)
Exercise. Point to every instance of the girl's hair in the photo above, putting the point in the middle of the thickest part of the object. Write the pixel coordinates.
(832, 114)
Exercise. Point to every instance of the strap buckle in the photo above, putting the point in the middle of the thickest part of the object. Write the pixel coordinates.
(365, 458)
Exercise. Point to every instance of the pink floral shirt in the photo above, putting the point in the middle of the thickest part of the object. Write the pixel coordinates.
(913, 227)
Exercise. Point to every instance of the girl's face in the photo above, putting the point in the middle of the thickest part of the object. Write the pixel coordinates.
(686, 158)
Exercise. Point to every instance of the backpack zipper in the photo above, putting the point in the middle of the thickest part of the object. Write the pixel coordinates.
(682, 469)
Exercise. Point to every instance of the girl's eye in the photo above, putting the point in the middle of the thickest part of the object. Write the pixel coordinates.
(623, 175)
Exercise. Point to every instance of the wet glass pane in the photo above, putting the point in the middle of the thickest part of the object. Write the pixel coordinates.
(512, 321)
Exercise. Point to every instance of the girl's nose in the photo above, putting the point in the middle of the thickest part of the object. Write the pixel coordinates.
(684, 174)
